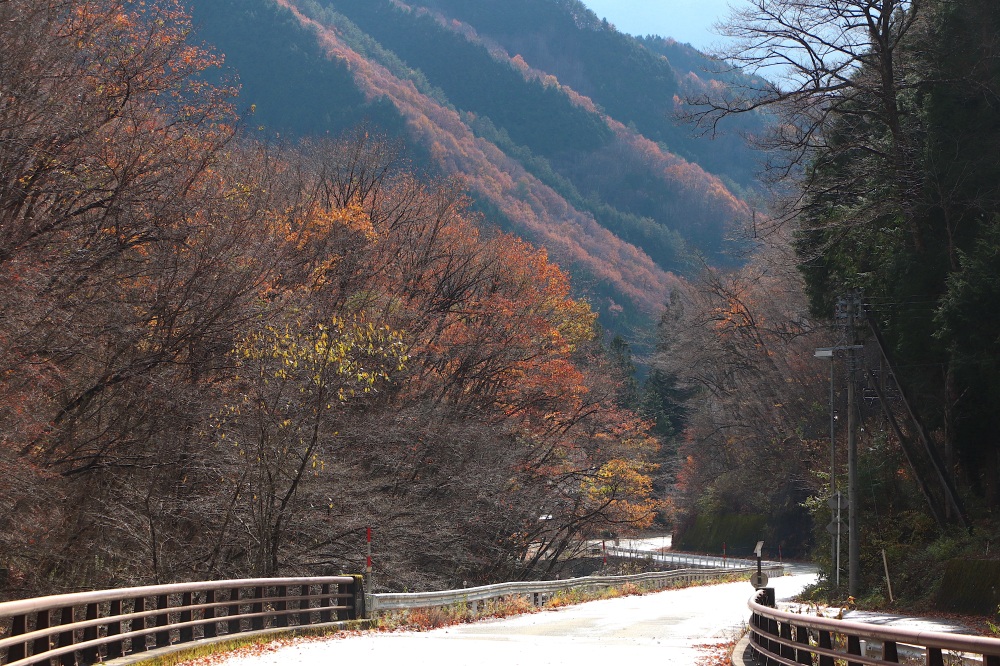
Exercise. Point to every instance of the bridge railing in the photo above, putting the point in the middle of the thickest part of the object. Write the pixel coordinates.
(91, 627)
(539, 592)
(789, 639)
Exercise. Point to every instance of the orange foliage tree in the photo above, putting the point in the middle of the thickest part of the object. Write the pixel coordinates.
(166, 290)
(498, 347)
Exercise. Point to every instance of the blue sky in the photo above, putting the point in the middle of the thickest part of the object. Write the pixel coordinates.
(684, 20)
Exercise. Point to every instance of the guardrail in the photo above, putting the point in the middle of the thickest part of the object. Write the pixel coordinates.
(91, 627)
(686, 559)
(541, 591)
(781, 637)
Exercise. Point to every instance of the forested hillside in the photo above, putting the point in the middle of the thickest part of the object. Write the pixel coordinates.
(893, 225)
(226, 357)
(562, 129)
(275, 272)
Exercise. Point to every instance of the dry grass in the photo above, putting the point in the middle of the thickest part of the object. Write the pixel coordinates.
(423, 619)
(582, 595)
(717, 654)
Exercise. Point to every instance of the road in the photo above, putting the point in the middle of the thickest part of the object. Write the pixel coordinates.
(658, 549)
(676, 627)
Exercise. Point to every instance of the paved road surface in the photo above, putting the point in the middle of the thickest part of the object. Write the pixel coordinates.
(672, 627)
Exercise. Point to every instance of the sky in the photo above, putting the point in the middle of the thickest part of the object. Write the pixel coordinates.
(687, 21)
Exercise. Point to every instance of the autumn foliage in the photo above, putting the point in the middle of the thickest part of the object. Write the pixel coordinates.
(757, 433)
(574, 237)
(222, 358)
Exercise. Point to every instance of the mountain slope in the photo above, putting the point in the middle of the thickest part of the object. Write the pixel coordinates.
(485, 91)
(629, 79)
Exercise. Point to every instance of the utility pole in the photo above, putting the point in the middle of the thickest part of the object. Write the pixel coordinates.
(834, 537)
(834, 528)
(853, 537)
(848, 309)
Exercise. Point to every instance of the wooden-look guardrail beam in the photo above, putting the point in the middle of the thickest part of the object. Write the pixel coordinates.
(90, 627)
(781, 637)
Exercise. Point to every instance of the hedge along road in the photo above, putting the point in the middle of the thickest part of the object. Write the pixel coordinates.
(676, 627)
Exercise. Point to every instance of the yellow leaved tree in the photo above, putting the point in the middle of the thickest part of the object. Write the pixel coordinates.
(291, 386)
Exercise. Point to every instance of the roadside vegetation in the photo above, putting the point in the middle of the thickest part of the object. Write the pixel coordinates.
(883, 238)
(225, 358)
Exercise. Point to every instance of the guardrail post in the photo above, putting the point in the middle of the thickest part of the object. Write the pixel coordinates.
(991, 660)
(305, 604)
(66, 637)
(934, 657)
(186, 633)
(209, 629)
(41, 622)
(138, 624)
(785, 631)
(763, 625)
(826, 642)
(803, 656)
(324, 603)
(890, 652)
(357, 611)
(233, 610)
(342, 614)
(772, 645)
(854, 647)
(281, 606)
(90, 654)
(257, 608)
(162, 619)
(114, 629)
(17, 628)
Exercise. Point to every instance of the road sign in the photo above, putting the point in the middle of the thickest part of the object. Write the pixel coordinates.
(832, 502)
(758, 579)
(836, 528)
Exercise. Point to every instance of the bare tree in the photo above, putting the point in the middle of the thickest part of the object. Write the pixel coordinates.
(833, 74)
(741, 342)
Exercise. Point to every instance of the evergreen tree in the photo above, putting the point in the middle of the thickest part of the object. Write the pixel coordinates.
(915, 227)
(664, 401)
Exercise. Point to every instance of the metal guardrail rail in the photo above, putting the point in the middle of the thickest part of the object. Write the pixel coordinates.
(91, 627)
(686, 559)
(789, 639)
(541, 591)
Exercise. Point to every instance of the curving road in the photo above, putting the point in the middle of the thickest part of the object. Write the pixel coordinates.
(674, 627)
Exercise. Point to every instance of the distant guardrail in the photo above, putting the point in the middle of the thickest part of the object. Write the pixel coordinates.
(91, 627)
(539, 592)
(686, 559)
(780, 637)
